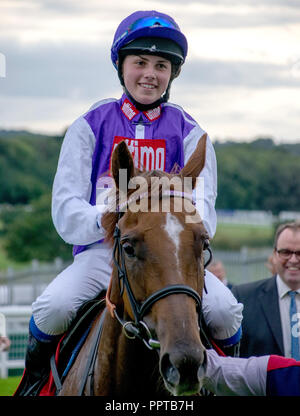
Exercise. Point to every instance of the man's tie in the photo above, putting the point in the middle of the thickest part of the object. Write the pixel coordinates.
(294, 329)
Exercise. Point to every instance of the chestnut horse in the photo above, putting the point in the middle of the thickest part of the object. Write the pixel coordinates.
(150, 331)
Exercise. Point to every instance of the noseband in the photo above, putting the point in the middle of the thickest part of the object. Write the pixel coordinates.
(138, 328)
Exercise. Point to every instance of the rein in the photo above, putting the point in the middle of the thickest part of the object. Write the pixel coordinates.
(138, 328)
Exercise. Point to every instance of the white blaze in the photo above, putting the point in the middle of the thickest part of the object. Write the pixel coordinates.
(173, 228)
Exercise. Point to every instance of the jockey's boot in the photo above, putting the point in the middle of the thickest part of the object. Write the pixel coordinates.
(37, 366)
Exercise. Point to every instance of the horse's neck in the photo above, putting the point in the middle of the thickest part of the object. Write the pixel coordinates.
(124, 366)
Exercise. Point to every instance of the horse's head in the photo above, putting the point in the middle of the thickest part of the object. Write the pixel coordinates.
(158, 272)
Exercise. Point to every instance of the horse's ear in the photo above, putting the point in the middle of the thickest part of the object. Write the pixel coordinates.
(196, 162)
(122, 159)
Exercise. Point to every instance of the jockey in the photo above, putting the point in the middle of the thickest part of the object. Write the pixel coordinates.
(148, 52)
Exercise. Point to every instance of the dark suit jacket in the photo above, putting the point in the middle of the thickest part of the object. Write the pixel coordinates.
(261, 325)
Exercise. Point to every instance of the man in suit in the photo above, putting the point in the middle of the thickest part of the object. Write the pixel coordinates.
(271, 315)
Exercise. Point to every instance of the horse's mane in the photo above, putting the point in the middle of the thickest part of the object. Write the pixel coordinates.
(110, 218)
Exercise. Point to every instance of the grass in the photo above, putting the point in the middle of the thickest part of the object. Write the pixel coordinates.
(9, 385)
(235, 236)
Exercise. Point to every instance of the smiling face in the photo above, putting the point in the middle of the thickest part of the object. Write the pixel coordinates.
(288, 268)
(146, 77)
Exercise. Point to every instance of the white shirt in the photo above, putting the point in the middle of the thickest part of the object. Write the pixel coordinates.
(284, 301)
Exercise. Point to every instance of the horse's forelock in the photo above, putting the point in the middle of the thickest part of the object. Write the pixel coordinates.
(110, 219)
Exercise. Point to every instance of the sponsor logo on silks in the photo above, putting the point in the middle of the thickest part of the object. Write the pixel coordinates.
(153, 114)
(148, 154)
(130, 111)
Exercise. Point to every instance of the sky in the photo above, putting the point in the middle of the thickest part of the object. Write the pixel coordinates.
(241, 79)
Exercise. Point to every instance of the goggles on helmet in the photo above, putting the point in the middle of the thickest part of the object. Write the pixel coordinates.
(152, 22)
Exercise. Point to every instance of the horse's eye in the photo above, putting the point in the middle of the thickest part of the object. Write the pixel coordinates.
(129, 249)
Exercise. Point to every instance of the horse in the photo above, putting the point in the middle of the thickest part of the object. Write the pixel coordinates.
(149, 333)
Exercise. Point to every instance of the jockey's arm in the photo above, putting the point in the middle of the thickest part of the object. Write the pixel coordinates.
(74, 218)
(205, 192)
(222, 313)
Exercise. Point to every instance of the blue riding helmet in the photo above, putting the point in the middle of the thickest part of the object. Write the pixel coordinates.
(137, 32)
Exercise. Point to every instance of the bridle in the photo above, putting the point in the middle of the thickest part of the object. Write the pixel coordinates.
(138, 328)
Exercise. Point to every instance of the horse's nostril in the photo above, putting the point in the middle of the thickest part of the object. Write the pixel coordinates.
(168, 371)
(183, 373)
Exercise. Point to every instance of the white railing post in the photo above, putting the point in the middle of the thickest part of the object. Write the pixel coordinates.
(3, 364)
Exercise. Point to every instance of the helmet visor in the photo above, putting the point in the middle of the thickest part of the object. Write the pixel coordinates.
(155, 46)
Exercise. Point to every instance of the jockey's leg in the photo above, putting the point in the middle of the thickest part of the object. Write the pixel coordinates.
(37, 361)
(221, 311)
(56, 307)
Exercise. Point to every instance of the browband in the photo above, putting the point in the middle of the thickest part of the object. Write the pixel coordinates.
(135, 198)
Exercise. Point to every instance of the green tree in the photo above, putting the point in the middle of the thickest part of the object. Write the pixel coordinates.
(258, 176)
(27, 166)
(32, 235)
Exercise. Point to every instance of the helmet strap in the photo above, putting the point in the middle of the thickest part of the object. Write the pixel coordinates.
(144, 107)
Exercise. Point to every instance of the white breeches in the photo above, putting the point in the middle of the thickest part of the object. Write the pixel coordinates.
(84, 279)
(90, 272)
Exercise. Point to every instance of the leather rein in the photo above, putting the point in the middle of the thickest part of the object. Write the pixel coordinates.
(138, 328)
